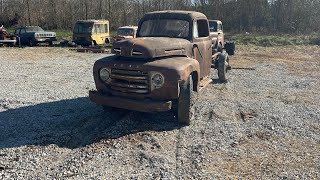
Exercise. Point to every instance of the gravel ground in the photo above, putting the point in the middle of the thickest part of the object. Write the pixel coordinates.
(264, 123)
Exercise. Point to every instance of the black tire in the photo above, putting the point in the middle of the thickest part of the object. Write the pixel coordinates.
(222, 68)
(185, 102)
(230, 47)
(107, 41)
(93, 43)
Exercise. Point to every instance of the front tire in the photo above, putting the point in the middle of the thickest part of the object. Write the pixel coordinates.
(185, 102)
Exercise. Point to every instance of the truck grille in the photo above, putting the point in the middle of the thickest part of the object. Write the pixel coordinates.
(129, 81)
(45, 35)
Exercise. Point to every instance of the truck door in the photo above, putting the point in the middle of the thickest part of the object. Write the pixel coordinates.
(202, 46)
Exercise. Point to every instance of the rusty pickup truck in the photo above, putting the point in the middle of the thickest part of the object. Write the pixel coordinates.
(161, 69)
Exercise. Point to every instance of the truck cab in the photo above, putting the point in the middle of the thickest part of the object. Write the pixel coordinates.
(161, 69)
(125, 32)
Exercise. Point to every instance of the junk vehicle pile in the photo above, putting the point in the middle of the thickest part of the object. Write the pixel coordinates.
(163, 67)
(6, 38)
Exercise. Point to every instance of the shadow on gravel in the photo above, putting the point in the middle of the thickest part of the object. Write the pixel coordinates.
(217, 81)
(74, 123)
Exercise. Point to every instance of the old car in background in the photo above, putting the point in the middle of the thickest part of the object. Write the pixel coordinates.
(162, 68)
(125, 32)
(32, 35)
(217, 36)
(91, 32)
(6, 38)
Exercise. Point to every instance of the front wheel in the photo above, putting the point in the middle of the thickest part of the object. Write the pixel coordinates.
(185, 102)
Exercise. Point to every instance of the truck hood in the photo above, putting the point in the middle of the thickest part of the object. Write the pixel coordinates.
(152, 47)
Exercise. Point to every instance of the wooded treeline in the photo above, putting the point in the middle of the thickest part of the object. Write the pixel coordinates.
(263, 16)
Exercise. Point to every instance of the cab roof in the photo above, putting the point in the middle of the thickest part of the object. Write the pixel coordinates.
(129, 27)
(92, 21)
(175, 14)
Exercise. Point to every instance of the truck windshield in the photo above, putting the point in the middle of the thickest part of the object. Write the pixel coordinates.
(213, 26)
(83, 28)
(34, 29)
(125, 32)
(164, 28)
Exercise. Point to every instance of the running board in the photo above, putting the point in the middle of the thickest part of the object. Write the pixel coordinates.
(204, 82)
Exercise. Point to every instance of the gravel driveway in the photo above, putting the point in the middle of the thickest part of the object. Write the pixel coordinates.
(264, 123)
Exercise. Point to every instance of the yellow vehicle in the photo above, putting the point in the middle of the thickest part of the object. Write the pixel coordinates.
(91, 32)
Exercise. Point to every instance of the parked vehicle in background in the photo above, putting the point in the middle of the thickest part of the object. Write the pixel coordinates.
(91, 32)
(32, 35)
(6, 38)
(162, 68)
(125, 32)
(217, 35)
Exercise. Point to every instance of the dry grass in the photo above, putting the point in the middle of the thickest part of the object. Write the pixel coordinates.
(298, 59)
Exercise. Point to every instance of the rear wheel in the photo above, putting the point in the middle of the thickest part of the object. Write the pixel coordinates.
(185, 112)
(222, 67)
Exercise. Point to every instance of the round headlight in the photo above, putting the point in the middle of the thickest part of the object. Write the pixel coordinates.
(105, 74)
(157, 80)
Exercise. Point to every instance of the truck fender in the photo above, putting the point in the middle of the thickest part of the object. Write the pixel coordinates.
(192, 69)
(97, 66)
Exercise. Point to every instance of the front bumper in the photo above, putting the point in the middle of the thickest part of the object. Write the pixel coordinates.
(131, 104)
(8, 41)
(45, 39)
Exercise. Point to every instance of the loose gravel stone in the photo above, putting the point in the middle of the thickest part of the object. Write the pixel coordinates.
(263, 124)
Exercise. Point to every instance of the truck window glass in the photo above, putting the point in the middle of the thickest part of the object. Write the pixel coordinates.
(98, 29)
(103, 30)
(164, 28)
(83, 28)
(22, 31)
(34, 29)
(213, 26)
(17, 31)
(125, 32)
(203, 30)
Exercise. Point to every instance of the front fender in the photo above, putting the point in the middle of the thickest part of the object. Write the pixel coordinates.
(177, 68)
